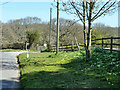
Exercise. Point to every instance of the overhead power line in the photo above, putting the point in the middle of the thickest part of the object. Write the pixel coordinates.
(5, 2)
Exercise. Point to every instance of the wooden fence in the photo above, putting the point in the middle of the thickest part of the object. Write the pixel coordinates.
(111, 43)
(69, 47)
(76, 47)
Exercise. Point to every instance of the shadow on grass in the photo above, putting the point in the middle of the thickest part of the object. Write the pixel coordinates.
(76, 74)
(69, 77)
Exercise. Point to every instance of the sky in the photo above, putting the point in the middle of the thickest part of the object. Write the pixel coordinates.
(16, 10)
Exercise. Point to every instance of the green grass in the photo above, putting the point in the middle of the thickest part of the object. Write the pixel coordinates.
(15, 50)
(70, 70)
(10, 50)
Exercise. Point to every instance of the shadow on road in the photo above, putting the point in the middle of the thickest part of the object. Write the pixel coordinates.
(9, 66)
(9, 85)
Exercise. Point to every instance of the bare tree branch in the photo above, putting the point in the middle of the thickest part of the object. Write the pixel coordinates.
(87, 9)
(77, 11)
(101, 9)
(67, 31)
(104, 11)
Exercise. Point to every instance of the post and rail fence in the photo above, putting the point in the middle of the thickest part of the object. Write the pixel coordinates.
(69, 47)
(110, 42)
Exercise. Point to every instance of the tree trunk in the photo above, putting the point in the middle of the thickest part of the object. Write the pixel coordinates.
(89, 41)
(88, 54)
(85, 41)
(84, 28)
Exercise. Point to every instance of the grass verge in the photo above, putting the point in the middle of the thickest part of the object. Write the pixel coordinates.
(15, 50)
(70, 70)
(10, 50)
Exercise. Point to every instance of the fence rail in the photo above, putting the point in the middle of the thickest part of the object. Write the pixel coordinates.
(72, 47)
(110, 43)
(69, 47)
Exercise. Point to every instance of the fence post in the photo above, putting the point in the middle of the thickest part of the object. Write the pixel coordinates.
(72, 46)
(111, 44)
(62, 47)
(95, 42)
(54, 49)
(77, 43)
(102, 43)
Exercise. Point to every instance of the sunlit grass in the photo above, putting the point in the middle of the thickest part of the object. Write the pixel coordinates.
(15, 50)
(9, 50)
(70, 70)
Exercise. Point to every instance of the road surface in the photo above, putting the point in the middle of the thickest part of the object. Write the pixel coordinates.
(9, 71)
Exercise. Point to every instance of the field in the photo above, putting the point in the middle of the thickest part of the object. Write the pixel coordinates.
(70, 70)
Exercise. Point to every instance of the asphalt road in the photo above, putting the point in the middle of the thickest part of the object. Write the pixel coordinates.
(9, 71)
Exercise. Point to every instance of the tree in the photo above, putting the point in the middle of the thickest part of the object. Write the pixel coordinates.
(77, 9)
(89, 11)
(32, 37)
(96, 34)
(68, 29)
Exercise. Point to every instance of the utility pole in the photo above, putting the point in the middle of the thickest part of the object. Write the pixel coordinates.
(57, 38)
(50, 25)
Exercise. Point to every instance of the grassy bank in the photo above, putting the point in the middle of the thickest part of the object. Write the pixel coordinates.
(70, 70)
(10, 50)
(15, 50)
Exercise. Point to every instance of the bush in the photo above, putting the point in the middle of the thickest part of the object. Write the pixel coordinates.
(49, 47)
(97, 49)
(13, 46)
(18, 46)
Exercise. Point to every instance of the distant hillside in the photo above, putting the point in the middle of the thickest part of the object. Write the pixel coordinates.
(14, 32)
